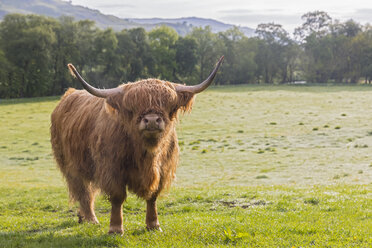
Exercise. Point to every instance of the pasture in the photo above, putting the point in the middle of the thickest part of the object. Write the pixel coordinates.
(287, 166)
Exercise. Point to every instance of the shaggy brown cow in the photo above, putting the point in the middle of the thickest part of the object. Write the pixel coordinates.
(114, 139)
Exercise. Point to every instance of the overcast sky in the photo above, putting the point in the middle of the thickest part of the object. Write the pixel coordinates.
(239, 12)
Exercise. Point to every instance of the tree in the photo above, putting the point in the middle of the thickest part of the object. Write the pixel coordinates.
(346, 50)
(275, 54)
(27, 42)
(208, 46)
(239, 66)
(314, 35)
(7, 89)
(317, 64)
(316, 22)
(35, 50)
(64, 52)
(142, 64)
(245, 67)
(186, 57)
(350, 28)
(361, 46)
(162, 41)
(107, 67)
(86, 57)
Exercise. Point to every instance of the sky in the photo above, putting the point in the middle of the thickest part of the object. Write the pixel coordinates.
(239, 12)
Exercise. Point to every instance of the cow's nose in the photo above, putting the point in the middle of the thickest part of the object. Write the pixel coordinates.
(153, 122)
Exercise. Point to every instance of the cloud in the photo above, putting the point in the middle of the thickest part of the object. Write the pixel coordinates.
(361, 15)
(247, 11)
(236, 11)
(113, 5)
(252, 18)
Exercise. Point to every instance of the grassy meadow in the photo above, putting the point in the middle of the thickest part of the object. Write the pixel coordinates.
(287, 166)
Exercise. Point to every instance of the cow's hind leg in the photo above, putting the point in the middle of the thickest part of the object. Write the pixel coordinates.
(84, 193)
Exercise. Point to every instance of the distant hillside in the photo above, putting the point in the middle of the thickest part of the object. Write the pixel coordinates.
(57, 8)
(190, 22)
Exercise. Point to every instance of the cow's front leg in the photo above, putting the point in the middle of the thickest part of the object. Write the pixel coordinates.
(116, 221)
(152, 222)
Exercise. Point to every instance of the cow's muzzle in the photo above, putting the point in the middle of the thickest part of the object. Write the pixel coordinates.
(152, 123)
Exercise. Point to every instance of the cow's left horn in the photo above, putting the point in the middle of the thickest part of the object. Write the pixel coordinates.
(202, 86)
(103, 93)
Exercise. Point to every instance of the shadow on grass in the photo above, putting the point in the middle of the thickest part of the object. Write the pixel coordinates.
(140, 231)
(48, 237)
(49, 240)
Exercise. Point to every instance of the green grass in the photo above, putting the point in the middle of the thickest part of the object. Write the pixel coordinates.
(242, 181)
(279, 216)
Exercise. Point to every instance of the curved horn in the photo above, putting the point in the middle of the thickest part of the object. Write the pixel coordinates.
(202, 86)
(103, 93)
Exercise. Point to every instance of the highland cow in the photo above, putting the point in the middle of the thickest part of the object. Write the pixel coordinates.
(117, 139)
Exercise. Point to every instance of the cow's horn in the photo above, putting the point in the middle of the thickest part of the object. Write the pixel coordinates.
(103, 93)
(202, 86)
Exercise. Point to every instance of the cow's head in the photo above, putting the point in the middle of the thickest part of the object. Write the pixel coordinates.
(148, 108)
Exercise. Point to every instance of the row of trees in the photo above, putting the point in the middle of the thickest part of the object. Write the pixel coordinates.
(34, 52)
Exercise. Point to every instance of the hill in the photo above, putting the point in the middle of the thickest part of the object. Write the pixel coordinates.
(57, 8)
(190, 22)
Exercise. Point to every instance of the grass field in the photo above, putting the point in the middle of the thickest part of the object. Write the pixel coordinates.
(260, 166)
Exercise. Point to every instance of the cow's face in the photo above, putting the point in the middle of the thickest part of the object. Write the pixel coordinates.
(148, 109)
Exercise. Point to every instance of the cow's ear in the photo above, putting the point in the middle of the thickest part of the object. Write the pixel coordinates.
(115, 100)
(112, 103)
(110, 110)
(185, 101)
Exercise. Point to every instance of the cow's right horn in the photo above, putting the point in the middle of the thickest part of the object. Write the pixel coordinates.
(202, 86)
(103, 93)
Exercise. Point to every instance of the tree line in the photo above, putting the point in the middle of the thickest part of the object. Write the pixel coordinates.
(34, 52)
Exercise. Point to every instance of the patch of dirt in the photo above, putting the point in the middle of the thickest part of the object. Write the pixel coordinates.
(242, 204)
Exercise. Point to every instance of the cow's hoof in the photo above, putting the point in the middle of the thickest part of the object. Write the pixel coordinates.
(92, 220)
(153, 225)
(116, 230)
(154, 228)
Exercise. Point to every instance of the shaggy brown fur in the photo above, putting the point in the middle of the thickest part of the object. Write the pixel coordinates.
(97, 145)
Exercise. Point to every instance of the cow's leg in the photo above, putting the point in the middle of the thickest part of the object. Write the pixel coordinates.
(87, 206)
(116, 221)
(84, 193)
(152, 222)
